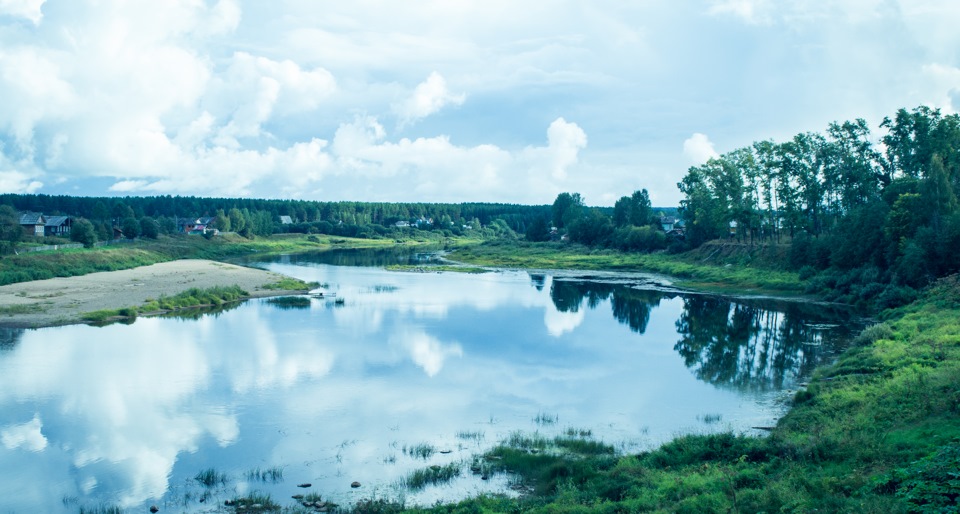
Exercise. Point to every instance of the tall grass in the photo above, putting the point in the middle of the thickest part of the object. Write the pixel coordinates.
(272, 474)
(210, 477)
(433, 475)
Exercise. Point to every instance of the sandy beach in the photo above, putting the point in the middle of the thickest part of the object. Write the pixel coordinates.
(62, 301)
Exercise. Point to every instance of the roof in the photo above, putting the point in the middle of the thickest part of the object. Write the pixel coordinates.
(286, 220)
(31, 218)
(206, 220)
(57, 221)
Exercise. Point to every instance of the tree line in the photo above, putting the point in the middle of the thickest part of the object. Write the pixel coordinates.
(868, 218)
(96, 218)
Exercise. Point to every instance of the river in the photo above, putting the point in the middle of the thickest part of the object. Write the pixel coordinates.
(385, 373)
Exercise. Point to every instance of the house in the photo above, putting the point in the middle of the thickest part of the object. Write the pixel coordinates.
(668, 223)
(402, 224)
(286, 220)
(58, 226)
(197, 226)
(33, 223)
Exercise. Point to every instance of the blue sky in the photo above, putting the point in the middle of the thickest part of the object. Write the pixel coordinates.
(441, 101)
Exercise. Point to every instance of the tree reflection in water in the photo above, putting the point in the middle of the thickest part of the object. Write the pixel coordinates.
(631, 306)
(9, 338)
(752, 345)
(749, 347)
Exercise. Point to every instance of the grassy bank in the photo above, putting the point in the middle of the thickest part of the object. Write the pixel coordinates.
(878, 431)
(693, 270)
(82, 261)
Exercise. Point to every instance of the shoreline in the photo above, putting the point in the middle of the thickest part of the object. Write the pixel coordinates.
(64, 300)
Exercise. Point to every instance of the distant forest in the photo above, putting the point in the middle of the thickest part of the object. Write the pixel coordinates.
(260, 217)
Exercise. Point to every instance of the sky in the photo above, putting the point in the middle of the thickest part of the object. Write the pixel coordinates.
(442, 101)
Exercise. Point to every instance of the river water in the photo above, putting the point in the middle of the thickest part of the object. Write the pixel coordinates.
(386, 373)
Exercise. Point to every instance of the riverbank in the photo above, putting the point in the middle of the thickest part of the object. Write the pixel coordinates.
(692, 272)
(68, 300)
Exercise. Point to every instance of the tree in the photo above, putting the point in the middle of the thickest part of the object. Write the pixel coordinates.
(538, 230)
(149, 227)
(130, 227)
(633, 210)
(566, 208)
(10, 229)
(83, 232)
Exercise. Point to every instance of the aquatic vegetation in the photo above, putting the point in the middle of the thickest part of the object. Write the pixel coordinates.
(543, 419)
(289, 302)
(210, 477)
(101, 509)
(272, 474)
(709, 419)
(432, 475)
(421, 451)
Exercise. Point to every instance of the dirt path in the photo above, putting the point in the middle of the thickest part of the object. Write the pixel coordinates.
(62, 301)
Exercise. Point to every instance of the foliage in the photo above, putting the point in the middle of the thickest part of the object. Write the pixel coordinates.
(130, 227)
(433, 475)
(846, 206)
(83, 233)
(10, 230)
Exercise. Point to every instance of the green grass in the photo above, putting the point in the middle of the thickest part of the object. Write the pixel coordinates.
(421, 451)
(255, 501)
(210, 478)
(290, 302)
(291, 284)
(694, 272)
(191, 298)
(433, 475)
(12, 310)
(272, 475)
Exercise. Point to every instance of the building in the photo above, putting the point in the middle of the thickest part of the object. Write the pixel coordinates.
(286, 220)
(33, 223)
(58, 226)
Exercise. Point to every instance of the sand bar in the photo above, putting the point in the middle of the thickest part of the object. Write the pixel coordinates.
(62, 301)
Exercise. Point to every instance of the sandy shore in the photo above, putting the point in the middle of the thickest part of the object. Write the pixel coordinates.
(62, 301)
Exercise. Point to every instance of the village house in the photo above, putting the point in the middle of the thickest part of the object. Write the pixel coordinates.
(58, 226)
(33, 223)
(286, 220)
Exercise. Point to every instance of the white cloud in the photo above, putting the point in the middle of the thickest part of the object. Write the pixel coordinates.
(754, 12)
(27, 436)
(427, 352)
(699, 149)
(430, 96)
(29, 9)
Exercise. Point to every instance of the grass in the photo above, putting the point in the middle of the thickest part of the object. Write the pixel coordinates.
(210, 478)
(101, 509)
(255, 501)
(290, 302)
(421, 451)
(433, 475)
(693, 270)
(191, 298)
(291, 284)
(271, 475)
(12, 310)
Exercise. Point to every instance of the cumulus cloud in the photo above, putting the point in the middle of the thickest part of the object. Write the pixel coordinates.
(428, 352)
(29, 9)
(699, 149)
(27, 436)
(430, 96)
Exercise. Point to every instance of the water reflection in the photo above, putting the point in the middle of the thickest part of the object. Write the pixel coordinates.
(9, 338)
(128, 414)
(631, 305)
(745, 346)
